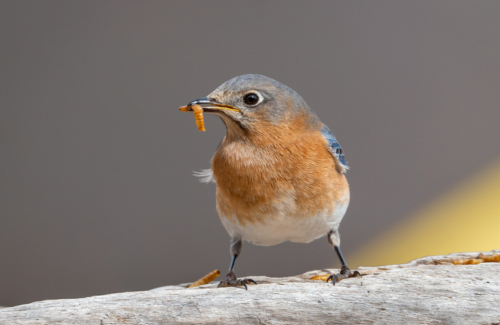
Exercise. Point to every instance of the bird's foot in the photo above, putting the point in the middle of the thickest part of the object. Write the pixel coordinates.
(345, 273)
(232, 281)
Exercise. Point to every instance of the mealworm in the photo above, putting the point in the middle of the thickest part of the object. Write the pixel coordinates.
(320, 277)
(479, 259)
(490, 258)
(198, 115)
(205, 280)
(469, 261)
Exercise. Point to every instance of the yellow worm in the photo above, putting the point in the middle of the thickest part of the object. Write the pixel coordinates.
(490, 258)
(320, 277)
(198, 115)
(205, 280)
(467, 262)
(480, 259)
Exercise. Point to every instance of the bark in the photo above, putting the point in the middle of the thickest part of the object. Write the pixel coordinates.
(430, 290)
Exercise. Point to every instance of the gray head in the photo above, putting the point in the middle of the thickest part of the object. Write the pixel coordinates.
(251, 101)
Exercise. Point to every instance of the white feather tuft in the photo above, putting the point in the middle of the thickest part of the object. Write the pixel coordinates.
(206, 176)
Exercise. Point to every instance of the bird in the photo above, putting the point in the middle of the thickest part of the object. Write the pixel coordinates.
(280, 173)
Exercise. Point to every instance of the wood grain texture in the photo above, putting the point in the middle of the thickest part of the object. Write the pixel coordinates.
(426, 291)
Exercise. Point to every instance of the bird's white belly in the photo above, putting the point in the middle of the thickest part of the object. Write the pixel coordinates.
(280, 228)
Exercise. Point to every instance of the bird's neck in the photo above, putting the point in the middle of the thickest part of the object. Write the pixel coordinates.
(255, 149)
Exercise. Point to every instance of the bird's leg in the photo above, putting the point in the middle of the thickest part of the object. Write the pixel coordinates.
(345, 272)
(231, 279)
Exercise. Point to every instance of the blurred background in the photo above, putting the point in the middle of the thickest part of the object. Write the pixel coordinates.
(96, 188)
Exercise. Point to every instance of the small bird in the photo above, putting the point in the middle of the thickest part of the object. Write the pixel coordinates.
(279, 171)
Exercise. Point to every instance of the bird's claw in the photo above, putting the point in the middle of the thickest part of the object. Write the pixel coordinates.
(333, 278)
(232, 281)
(345, 273)
(248, 281)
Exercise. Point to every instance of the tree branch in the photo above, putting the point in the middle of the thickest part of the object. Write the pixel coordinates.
(430, 290)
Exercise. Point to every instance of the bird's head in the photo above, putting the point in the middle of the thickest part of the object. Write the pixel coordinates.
(251, 103)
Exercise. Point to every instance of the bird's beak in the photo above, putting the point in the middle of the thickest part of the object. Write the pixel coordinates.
(211, 106)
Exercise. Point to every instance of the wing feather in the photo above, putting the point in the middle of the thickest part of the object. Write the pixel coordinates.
(334, 147)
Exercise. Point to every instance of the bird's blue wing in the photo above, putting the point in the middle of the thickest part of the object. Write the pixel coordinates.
(334, 146)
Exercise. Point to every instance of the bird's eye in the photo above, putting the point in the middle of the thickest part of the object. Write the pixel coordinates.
(252, 99)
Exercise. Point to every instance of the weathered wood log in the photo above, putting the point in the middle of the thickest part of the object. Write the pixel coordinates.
(430, 290)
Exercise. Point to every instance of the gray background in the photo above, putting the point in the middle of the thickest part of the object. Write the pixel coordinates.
(96, 187)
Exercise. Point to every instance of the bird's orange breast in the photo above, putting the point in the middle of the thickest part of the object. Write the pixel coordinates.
(279, 170)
